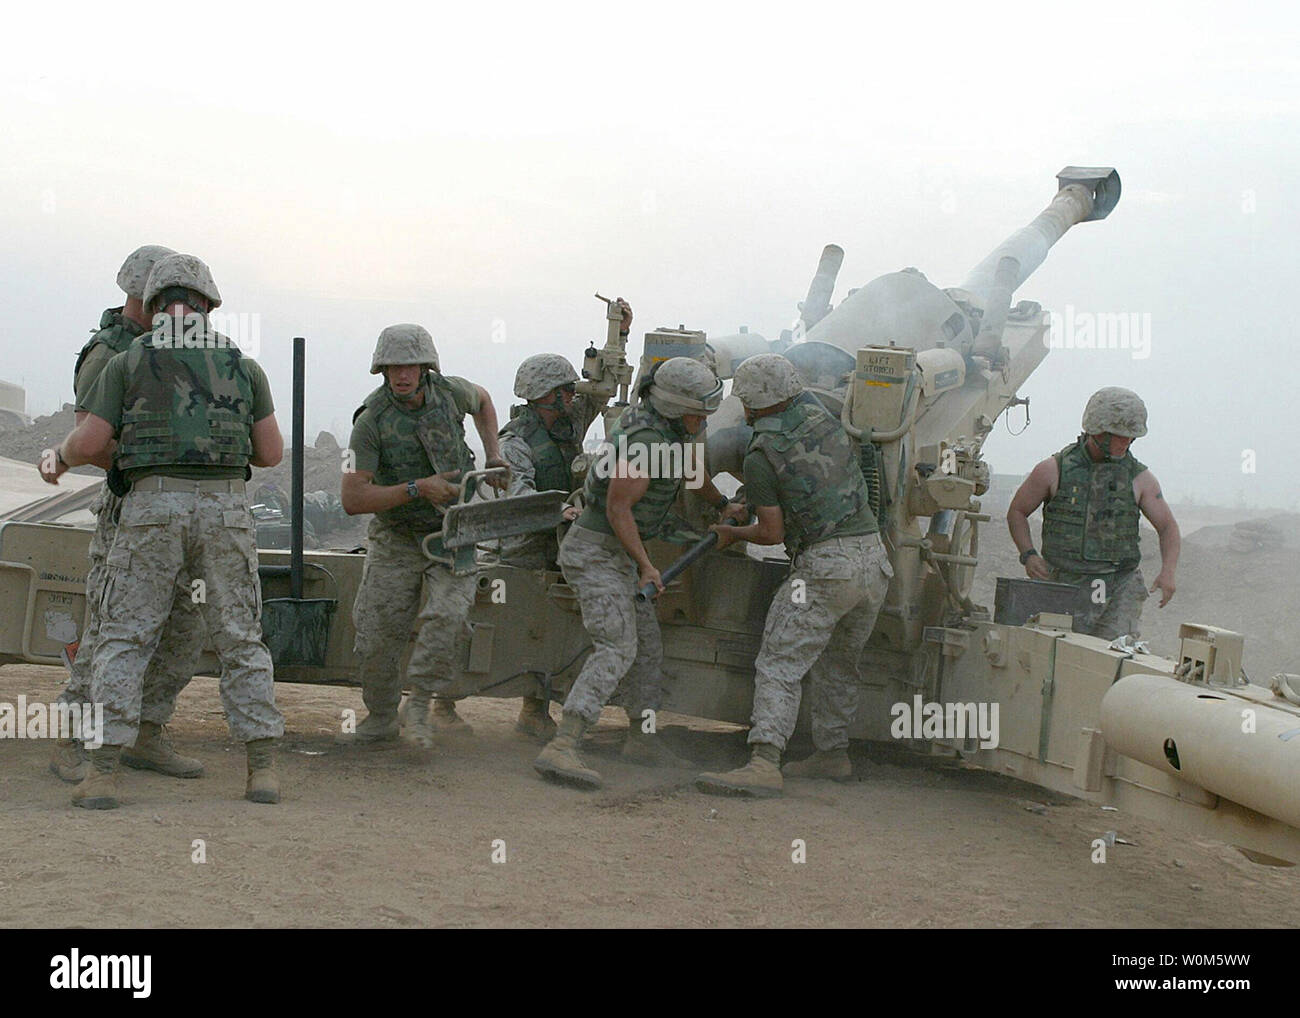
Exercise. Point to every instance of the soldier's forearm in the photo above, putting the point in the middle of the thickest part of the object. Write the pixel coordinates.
(1171, 545)
(485, 422)
(1018, 524)
(625, 529)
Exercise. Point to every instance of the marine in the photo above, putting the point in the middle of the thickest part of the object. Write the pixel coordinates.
(604, 559)
(539, 443)
(183, 637)
(188, 423)
(804, 484)
(408, 444)
(1091, 493)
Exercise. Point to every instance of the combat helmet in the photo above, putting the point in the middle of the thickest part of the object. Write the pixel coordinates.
(1115, 411)
(180, 272)
(541, 373)
(682, 385)
(404, 344)
(765, 380)
(134, 272)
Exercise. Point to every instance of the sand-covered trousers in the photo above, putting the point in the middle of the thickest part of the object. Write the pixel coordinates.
(170, 537)
(626, 644)
(1114, 602)
(386, 609)
(819, 621)
(179, 647)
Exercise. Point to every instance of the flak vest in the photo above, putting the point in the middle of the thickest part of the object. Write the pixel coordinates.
(415, 444)
(551, 457)
(115, 332)
(651, 511)
(190, 406)
(817, 470)
(1091, 524)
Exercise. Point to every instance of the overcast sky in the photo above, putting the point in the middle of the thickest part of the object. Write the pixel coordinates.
(484, 172)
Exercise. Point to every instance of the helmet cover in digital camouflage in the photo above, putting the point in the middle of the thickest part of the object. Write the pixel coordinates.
(181, 270)
(765, 380)
(404, 344)
(1115, 411)
(541, 373)
(134, 272)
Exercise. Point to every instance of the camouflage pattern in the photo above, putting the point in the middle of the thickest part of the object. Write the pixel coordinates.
(541, 373)
(415, 444)
(385, 612)
(180, 270)
(179, 648)
(134, 273)
(404, 344)
(682, 385)
(1120, 607)
(819, 621)
(540, 462)
(817, 469)
(651, 511)
(115, 332)
(189, 405)
(163, 538)
(1115, 411)
(765, 380)
(1091, 524)
(627, 648)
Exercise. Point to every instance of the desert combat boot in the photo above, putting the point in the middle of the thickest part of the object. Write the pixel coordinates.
(648, 749)
(101, 790)
(263, 783)
(535, 718)
(153, 751)
(69, 761)
(759, 779)
(832, 764)
(560, 761)
(415, 719)
(374, 729)
(447, 721)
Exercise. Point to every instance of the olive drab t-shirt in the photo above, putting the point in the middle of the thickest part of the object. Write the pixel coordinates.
(106, 397)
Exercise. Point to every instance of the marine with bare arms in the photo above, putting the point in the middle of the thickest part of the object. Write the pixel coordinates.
(1091, 493)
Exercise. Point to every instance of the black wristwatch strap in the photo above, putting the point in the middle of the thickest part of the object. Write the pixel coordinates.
(1027, 554)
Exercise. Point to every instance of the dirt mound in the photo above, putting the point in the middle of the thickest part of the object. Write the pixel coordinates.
(26, 443)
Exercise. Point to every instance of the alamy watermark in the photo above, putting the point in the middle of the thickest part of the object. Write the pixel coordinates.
(1104, 330)
(952, 721)
(654, 460)
(25, 720)
(216, 330)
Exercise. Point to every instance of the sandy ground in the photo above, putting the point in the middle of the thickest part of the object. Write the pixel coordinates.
(400, 838)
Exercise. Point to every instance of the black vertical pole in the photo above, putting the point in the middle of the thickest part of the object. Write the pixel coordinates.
(299, 399)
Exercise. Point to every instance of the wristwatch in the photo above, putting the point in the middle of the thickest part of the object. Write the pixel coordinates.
(1027, 554)
(721, 503)
(412, 490)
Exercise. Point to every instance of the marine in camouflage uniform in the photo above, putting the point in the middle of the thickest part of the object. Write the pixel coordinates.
(176, 660)
(803, 479)
(1091, 493)
(408, 440)
(189, 413)
(540, 442)
(604, 559)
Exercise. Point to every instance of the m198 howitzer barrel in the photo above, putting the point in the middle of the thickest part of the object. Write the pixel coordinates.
(679, 565)
(1086, 193)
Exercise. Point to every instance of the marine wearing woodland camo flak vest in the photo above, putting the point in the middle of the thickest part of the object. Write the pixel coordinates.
(190, 413)
(804, 483)
(408, 445)
(1091, 493)
(542, 439)
(604, 559)
(176, 659)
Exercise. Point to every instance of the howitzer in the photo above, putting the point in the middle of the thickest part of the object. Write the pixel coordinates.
(919, 374)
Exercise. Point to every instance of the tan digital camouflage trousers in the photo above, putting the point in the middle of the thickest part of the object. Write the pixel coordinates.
(627, 647)
(179, 647)
(165, 538)
(386, 609)
(819, 621)
(1114, 607)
